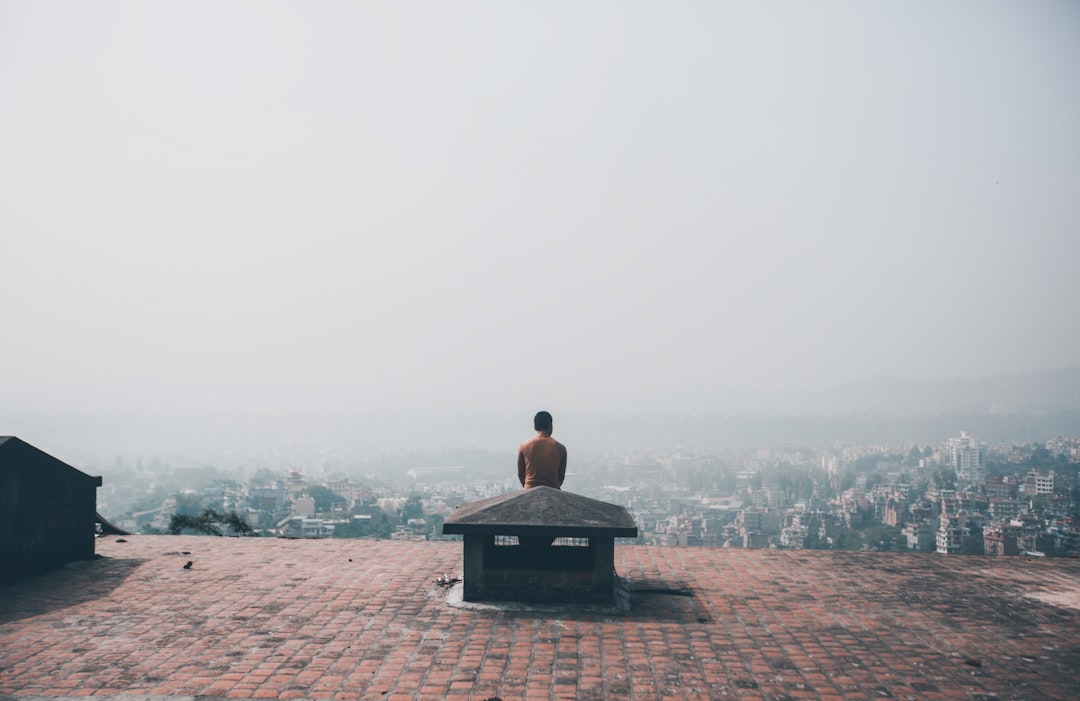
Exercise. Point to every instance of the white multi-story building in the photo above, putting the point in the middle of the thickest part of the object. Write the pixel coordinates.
(950, 534)
(1037, 483)
(968, 457)
(921, 536)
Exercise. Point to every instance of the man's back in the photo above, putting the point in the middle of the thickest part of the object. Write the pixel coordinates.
(542, 462)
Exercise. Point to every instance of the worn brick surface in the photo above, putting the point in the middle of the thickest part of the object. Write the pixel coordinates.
(347, 619)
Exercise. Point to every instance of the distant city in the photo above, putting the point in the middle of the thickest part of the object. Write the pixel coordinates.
(957, 496)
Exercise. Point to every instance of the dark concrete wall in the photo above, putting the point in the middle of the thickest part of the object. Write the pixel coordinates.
(539, 573)
(47, 511)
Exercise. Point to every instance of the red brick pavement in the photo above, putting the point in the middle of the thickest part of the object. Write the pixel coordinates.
(346, 619)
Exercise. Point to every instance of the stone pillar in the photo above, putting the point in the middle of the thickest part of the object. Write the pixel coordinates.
(603, 584)
(474, 565)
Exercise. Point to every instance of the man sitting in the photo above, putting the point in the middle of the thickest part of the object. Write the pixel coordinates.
(542, 459)
(541, 463)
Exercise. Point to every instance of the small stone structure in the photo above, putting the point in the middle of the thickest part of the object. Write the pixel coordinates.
(48, 511)
(540, 545)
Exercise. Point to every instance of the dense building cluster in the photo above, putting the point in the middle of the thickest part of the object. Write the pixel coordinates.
(958, 496)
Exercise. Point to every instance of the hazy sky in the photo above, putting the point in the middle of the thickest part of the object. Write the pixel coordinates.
(571, 205)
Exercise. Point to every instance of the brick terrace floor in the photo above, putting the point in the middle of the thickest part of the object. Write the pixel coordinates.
(346, 619)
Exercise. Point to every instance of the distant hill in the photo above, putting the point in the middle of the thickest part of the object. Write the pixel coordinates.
(1038, 392)
(1002, 408)
(1031, 393)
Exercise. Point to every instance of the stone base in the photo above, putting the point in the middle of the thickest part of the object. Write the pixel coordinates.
(620, 604)
(539, 573)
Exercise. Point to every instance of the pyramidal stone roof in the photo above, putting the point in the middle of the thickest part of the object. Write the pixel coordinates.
(542, 511)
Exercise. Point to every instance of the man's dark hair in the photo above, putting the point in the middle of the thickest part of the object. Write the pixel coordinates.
(542, 421)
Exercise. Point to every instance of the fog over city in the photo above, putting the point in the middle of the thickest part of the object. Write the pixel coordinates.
(377, 227)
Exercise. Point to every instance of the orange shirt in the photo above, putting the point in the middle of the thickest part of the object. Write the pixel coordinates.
(542, 462)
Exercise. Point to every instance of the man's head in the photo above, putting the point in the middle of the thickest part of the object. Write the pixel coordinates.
(542, 422)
